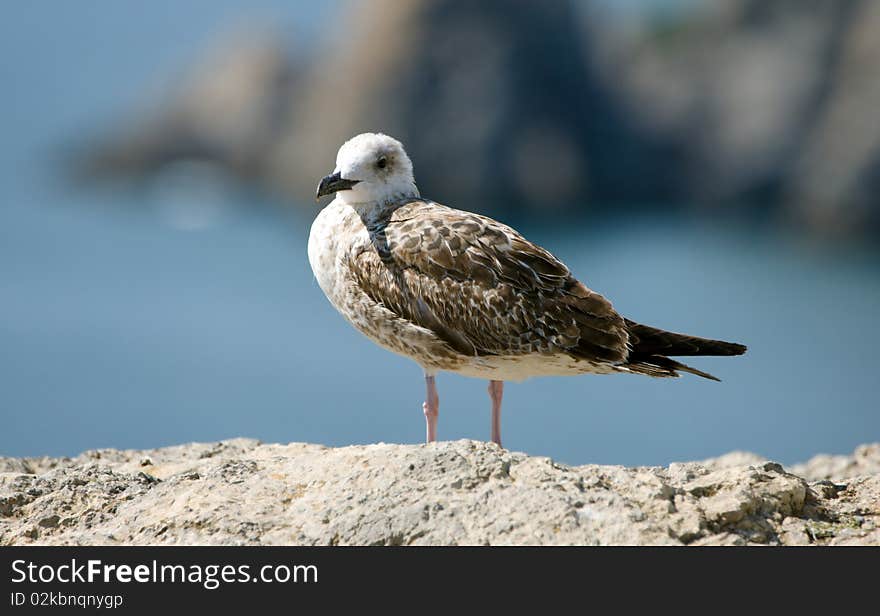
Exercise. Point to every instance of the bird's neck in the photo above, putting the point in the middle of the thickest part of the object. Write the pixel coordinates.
(377, 213)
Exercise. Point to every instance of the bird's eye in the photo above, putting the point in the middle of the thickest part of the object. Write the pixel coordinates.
(382, 162)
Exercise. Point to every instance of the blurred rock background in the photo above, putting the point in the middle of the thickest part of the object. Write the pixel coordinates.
(768, 110)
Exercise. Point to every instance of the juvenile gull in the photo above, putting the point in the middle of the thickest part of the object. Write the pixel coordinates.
(461, 292)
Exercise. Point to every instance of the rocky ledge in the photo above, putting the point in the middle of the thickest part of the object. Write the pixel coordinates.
(463, 492)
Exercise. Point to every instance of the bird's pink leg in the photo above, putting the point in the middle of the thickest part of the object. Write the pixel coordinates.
(431, 407)
(496, 391)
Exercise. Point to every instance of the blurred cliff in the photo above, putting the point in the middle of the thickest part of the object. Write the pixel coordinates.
(768, 110)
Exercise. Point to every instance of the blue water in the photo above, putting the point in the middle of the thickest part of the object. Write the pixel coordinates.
(141, 319)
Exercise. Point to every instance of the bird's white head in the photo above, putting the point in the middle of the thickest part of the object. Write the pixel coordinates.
(371, 169)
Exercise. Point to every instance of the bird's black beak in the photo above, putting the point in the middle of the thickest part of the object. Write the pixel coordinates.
(332, 184)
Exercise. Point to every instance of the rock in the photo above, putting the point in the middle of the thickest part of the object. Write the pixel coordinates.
(500, 90)
(462, 492)
(774, 103)
(497, 103)
(224, 111)
(864, 461)
(509, 107)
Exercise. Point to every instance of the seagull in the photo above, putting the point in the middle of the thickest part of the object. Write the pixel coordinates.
(460, 292)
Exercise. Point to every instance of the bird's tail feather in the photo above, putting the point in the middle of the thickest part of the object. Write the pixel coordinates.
(650, 347)
(660, 366)
(646, 340)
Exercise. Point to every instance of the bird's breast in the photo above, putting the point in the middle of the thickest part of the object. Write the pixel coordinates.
(336, 235)
(333, 234)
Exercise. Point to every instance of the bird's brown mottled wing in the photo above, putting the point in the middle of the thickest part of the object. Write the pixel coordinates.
(483, 288)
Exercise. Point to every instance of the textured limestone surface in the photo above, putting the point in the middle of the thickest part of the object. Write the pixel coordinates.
(462, 492)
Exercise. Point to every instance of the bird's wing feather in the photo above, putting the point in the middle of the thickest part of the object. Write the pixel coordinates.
(483, 288)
